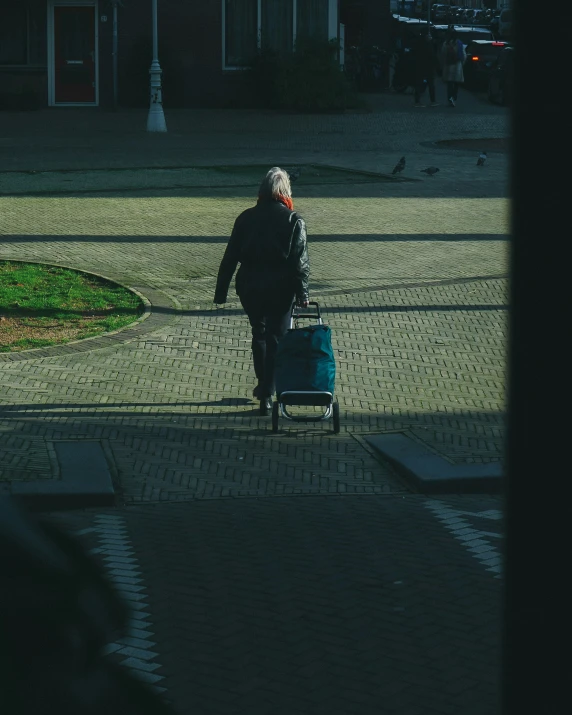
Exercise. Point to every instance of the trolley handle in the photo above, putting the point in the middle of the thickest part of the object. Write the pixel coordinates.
(296, 314)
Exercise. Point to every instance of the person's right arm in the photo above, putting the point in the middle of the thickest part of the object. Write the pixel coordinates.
(228, 264)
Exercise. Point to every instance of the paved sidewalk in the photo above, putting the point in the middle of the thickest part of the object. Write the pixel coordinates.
(286, 574)
(418, 309)
(87, 139)
(307, 606)
(413, 281)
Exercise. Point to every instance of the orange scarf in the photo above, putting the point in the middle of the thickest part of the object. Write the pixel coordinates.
(286, 200)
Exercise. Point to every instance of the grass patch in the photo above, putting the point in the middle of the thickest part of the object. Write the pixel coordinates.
(46, 305)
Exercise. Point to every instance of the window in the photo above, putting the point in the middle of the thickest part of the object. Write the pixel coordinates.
(277, 25)
(14, 36)
(249, 25)
(312, 19)
(240, 31)
(23, 36)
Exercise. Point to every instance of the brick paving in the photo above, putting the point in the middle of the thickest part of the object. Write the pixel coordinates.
(418, 310)
(290, 604)
(313, 605)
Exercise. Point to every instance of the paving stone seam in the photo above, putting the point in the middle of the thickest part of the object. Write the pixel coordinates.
(116, 553)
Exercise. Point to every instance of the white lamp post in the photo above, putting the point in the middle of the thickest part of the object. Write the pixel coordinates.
(156, 118)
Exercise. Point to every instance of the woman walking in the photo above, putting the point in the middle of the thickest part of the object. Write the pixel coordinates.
(425, 65)
(452, 59)
(269, 241)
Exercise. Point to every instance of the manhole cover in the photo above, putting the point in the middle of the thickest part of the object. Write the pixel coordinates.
(498, 144)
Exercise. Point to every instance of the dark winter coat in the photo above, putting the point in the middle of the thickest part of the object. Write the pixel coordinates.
(269, 241)
(424, 59)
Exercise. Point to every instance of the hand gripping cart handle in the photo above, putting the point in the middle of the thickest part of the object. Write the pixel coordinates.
(297, 397)
(298, 315)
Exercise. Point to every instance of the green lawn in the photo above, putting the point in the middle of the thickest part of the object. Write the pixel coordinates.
(45, 305)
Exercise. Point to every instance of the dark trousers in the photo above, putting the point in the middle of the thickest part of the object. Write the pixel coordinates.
(452, 90)
(269, 321)
(420, 87)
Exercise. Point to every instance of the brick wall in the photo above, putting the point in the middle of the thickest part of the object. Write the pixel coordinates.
(189, 54)
(25, 86)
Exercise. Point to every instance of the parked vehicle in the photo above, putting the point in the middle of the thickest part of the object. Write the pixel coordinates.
(502, 77)
(415, 25)
(467, 34)
(481, 56)
(439, 13)
(411, 29)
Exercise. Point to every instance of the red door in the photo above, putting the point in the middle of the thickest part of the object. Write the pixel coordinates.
(74, 54)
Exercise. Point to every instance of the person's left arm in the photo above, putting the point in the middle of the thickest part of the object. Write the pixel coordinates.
(228, 264)
(300, 262)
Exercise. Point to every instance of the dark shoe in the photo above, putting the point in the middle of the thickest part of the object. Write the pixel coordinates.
(265, 406)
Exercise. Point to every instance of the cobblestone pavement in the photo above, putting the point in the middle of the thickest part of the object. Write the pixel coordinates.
(347, 594)
(413, 287)
(63, 139)
(309, 605)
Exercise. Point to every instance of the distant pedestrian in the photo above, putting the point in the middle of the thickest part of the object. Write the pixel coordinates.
(269, 242)
(425, 65)
(452, 59)
(394, 34)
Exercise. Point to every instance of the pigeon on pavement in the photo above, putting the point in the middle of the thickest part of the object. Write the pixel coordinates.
(431, 170)
(399, 166)
(482, 158)
(295, 175)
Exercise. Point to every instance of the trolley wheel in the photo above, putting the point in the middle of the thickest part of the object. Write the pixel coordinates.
(275, 417)
(336, 417)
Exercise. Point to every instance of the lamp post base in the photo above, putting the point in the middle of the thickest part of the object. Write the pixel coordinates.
(156, 119)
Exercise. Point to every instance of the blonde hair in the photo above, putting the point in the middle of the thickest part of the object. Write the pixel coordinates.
(276, 183)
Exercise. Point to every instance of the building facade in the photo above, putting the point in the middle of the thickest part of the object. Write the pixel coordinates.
(57, 53)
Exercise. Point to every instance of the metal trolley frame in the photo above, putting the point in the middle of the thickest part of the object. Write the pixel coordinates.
(313, 398)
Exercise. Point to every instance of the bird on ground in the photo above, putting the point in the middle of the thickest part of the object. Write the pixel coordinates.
(482, 158)
(399, 166)
(430, 170)
(295, 174)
